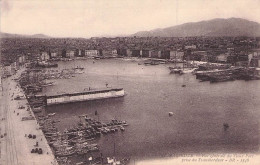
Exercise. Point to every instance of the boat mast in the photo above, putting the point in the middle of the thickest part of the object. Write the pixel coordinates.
(117, 78)
(114, 148)
(182, 64)
(175, 58)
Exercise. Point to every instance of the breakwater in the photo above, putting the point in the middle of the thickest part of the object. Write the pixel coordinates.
(83, 96)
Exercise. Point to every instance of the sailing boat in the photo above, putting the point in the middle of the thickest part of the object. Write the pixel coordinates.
(179, 70)
(175, 69)
(78, 70)
(113, 160)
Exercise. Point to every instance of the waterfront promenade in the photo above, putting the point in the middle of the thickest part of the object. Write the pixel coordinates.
(15, 147)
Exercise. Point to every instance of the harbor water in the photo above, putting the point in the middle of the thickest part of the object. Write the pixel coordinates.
(199, 110)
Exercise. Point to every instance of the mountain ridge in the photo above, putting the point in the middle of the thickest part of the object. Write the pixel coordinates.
(215, 27)
(10, 35)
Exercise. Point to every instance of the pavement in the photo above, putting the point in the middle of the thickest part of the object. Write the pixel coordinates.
(15, 146)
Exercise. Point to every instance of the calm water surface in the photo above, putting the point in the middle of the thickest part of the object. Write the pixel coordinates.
(200, 109)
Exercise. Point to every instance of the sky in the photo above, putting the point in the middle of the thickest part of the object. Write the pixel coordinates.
(95, 18)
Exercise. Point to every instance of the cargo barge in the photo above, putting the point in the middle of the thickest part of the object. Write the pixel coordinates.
(85, 96)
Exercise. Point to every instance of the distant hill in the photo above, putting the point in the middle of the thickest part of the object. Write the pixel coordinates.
(215, 27)
(9, 35)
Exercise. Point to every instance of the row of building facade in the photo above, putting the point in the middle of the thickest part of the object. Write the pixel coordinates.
(250, 59)
(114, 53)
(179, 55)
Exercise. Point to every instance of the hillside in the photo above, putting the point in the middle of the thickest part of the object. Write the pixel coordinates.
(216, 27)
(9, 35)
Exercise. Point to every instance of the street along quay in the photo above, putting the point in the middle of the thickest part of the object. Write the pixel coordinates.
(58, 145)
(19, 131)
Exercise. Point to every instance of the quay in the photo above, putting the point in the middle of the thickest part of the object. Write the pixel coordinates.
(16, 123)
(84, 96)
(231, 74)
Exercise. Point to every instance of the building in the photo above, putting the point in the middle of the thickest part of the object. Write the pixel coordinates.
(45, 56)
(231, 59)
(222, 58)
(54, 55)
(242, 57)
(190, 47)
(165, 54)
(128, 53)
(242, 63)
(21, 59)
(70, 54)
(7, 71)
(212, 58)
(122, 52)
(109, 53)
(114, 53)
(63, 53)
(255, 62)
(136, 53)
(10, 69)
(173, 54)
(79, 53)
(14, 67)
(91, 53)
(256, 53)
(155, 54)
(145, 53)
(199, 56)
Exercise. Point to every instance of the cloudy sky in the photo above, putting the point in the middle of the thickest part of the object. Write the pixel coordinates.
(87, 18)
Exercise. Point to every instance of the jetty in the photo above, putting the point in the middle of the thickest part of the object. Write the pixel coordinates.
(84, 96)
